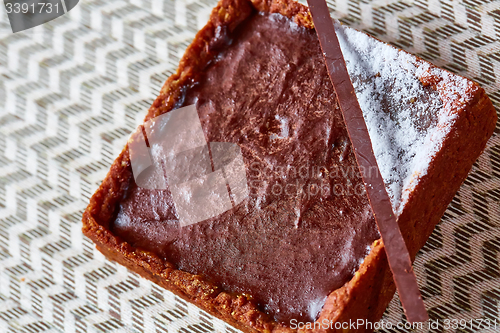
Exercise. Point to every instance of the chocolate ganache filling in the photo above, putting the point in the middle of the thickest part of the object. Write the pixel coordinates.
(307, 224)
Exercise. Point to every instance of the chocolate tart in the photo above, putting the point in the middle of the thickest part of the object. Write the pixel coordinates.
(257, 77)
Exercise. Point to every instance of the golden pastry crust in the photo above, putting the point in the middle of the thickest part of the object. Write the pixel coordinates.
(368, 293)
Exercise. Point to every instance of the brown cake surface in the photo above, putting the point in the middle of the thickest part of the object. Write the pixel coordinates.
(262, 83)
(307, 223)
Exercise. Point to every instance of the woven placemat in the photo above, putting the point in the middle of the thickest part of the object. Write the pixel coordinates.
(73, 89)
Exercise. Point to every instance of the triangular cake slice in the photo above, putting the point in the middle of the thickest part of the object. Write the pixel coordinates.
(303, 245)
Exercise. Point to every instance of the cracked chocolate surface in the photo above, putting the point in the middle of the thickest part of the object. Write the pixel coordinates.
(307, 224)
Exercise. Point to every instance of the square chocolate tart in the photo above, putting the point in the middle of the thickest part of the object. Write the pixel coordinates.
(258, 79)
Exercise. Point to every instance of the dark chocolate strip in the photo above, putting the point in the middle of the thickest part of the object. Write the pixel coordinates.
(395, 247)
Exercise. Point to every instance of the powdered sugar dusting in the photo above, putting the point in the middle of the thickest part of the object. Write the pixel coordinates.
(403, 117)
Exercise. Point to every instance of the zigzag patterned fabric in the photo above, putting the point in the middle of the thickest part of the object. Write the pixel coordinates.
(73, 89)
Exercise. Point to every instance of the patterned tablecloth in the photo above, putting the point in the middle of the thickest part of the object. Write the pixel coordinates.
(72, 90)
